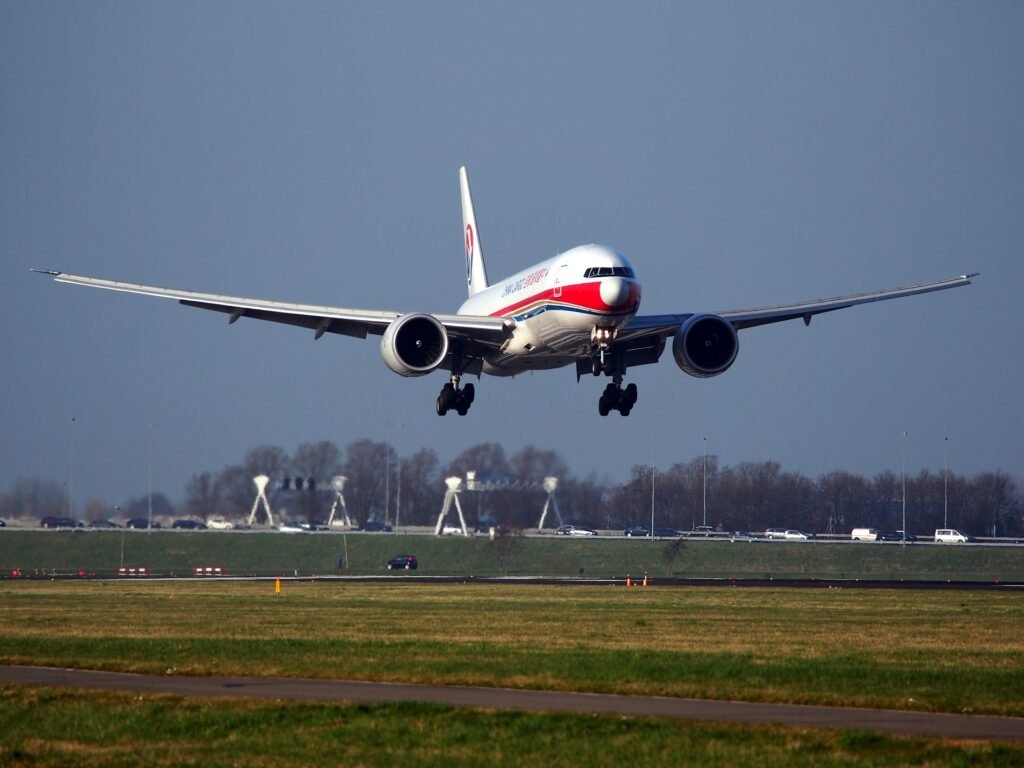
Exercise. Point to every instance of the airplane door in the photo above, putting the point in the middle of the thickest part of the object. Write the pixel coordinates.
(559, 279)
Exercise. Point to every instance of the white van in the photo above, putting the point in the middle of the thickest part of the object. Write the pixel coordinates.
(950, 536)
(864, 534)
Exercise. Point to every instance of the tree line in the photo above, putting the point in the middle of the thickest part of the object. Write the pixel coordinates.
(409, 490)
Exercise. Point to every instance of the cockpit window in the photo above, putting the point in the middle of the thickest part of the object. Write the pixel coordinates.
(609, 272)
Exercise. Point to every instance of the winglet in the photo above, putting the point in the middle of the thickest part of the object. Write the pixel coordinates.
(476, 272)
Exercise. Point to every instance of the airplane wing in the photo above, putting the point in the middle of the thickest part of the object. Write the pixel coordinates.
(475, 331)
(666, 325)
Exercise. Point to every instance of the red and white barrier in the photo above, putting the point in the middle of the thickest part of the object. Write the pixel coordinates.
(207, 571)
(133, 571)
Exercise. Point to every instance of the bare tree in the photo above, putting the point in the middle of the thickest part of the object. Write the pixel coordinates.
(631, 501)
(504, 547)
(671, 552)
(421, 487)
(138, 506)
(236, 491)
(532, 465)
(269, 460)
(483, 458)
(202, 496)
(34, 497)
(317, 463)
(844, 498)
(96, 509)
(994, 499)
(365, 464)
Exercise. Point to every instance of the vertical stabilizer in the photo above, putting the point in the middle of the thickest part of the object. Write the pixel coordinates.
(476, 272)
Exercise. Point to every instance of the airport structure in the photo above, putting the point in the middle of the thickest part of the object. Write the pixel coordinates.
(454, 486)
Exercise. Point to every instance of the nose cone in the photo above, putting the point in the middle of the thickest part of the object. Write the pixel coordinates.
(614, 291)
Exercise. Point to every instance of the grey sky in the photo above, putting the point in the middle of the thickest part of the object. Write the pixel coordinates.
(739, 154)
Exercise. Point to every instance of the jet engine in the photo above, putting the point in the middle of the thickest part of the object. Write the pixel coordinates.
(414, 345)
(705, 345)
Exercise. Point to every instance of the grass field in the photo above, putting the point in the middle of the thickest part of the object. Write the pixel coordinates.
(919, 650)
(64, 728)
(304, 554)
(936, 651)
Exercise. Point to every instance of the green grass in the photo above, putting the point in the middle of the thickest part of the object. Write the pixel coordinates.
(920, 650)
(924, 650)
(102, 552)
(41, 727)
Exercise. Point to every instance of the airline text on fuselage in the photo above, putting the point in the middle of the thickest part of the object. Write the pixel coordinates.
(525, 282)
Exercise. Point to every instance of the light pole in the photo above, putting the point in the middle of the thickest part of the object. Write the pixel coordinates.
(652, 499)
(387, 481)
(705, 481)
(903, 538)
(398, 491)
(71, 473)
(149, 527)
(945, 489)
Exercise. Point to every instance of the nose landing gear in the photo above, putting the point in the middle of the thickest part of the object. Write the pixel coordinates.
(454, 399)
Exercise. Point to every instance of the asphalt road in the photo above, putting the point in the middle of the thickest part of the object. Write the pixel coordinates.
(975, 727)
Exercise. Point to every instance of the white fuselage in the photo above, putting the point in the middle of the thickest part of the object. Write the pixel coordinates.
(557, 304)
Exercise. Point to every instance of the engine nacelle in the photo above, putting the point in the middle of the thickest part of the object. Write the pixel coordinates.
(705, 345)
(414, 345)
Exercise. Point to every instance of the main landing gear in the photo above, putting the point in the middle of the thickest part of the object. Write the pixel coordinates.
(454, 399)
(612, 363)
(615, 398)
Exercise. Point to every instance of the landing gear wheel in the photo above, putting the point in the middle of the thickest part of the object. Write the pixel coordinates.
(615, 398)
(446, 400)
(454, 399)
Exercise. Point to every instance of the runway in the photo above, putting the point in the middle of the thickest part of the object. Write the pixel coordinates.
(971, 727)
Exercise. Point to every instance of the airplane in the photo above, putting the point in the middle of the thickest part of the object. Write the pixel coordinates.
(578, 308)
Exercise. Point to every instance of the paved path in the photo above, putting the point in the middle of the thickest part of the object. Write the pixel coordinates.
(299, 689)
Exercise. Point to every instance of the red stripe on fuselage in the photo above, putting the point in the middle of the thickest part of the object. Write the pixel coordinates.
(584, 295)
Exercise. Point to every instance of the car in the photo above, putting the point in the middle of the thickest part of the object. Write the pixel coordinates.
(666, 533)
(951, 536)
(702, 530)
(451, 530)
(896, 536)
(636, 530)
(291, 528)
(189, 525)
(579, 530)
(403, 562)
(103, 524)
(864, 534)
(140, 522)
(485, 524)
(795, 535)
(313, 527)
(3, 524)
(219, 524)
(59, 522)
(775, 533)
(375, 526)
(741, 536)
